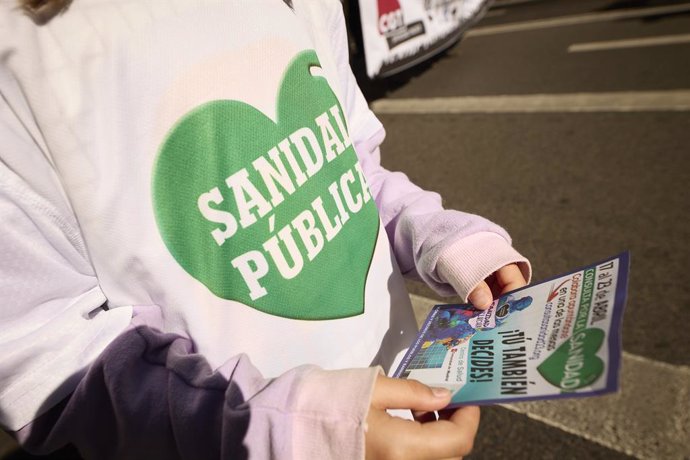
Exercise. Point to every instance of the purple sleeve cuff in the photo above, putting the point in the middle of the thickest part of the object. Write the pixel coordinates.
(149, 395)
(339, 431)
(470, 260)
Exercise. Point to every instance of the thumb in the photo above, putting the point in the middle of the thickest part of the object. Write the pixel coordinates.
(390, 393)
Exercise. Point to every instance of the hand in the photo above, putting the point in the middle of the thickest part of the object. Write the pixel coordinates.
(389, 437)
(505, 279)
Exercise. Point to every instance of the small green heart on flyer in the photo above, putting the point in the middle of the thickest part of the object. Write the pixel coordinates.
(575, 364)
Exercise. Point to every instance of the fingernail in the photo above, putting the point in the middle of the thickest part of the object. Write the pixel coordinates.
(440, 392)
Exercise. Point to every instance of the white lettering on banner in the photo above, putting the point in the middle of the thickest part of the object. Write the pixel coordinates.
(285, 168)
(251, 275)
(354, 204)
(217, 216)
(332, 229)
(284, 147)
(312, 233)
(273, 173)
(311, 236)
(313, 164)
(272, 246)
(247, 197)
(363, 183)
(335, 112)
(331, 142)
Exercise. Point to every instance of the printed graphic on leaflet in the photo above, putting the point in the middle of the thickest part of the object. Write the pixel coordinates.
(559, 338)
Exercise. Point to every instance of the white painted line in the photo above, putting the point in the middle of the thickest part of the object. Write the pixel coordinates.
(630, 43)
(640, 101)
(579, 19)
(648, 418)
(502, 3)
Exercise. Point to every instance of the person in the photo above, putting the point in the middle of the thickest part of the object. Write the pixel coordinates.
(202, 255)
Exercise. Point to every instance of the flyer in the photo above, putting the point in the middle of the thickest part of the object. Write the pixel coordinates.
(559, 338)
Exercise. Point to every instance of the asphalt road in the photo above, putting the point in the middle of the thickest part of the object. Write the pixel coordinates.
(573, 184)
(572, 188)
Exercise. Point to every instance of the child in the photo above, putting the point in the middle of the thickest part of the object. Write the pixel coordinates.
(188, 185)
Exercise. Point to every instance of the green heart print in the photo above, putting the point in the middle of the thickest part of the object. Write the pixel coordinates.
(276, 215)
(574, 364)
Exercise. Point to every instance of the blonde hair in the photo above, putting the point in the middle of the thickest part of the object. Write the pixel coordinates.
(42, 11)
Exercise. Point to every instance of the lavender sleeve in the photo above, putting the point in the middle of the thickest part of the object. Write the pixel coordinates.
(148, 395)
(450, 250)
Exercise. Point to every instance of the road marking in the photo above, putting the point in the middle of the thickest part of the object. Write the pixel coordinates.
(648, 418)
(630, 43)
(639, 101)
(493, 13)
(579, 19)
(502, 3)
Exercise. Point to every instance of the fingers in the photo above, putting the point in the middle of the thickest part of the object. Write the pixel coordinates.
(452, 436)
(507, 278)
(449, 438)
(481, 296)
(390, 393)
(510, 278)
(424, 416)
